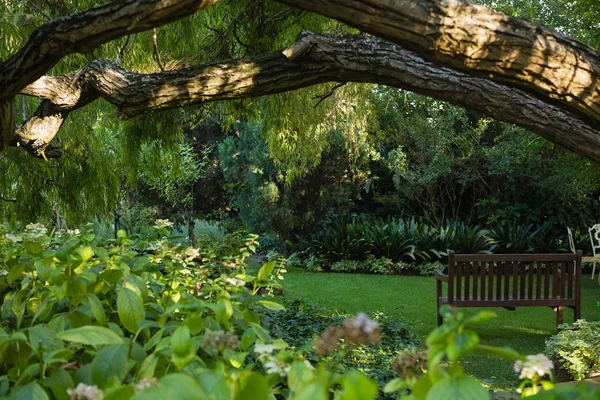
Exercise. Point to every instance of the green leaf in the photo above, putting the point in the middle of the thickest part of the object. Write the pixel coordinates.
(480, 317)
(173, 386)
(262, 334)
(266, 270)
(109, 367)
(215, 384)
(314, 391)
(356, 386)
(395, 385)
(97, 308)
(119, 393)
(251, 386)
(299, 376)
(90, 335)
(59, 382)
(460, 344)
(502, 352)
(130, 309)
(271, 305)
(457, 388)
(248, 339)
(31, 391)
(183, 350)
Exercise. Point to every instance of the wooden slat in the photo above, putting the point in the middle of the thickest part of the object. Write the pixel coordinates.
(546, 281)
(555, 287)
(530, 281)
(490, 280)
(538, 270)
(516, 257)
(475, 279)
(507, 271)
(562, 279)
(515, 282)
(459, 278)
(467, 280)
(451, 267)
(499, 272)
(483, 276)
(514, 303)
(570, 272)
(522, 280)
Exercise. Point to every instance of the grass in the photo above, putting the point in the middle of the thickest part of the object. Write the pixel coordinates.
(413, 298)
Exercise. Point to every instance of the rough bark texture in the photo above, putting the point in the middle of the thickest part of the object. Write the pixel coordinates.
(508, 68)
(82, 32)
(313, 59)
(479, 41)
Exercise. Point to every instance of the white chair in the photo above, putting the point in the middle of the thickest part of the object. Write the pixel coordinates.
(594, 233)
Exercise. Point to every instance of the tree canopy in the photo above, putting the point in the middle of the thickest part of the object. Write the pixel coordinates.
(69, 54)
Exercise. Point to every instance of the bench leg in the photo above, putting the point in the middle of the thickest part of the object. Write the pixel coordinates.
(438, 293)
(576, 313)
(559, 315)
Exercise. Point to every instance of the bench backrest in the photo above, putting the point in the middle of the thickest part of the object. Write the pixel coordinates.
(514, 277)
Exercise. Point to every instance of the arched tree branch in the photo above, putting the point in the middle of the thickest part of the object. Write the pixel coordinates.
(312, 60)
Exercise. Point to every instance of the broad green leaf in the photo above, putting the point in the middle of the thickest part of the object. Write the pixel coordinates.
(215, 385)
(183, 349)
(261, 333)
(299, 376)
(59, 382)
(97, 308)
(174, 386)
(395, 385)
(271, 305)
(266, 270)
(90, 335)
(119, 393)
(356, 386)
(109, 367)
(314, 391)
(458, 388)
(31, 391)
(251, 386)
(460, 344)
(130, 309)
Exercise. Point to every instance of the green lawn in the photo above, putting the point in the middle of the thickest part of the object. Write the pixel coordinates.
(413, 298)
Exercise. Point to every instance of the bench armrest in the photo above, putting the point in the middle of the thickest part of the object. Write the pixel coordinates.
(440, 276)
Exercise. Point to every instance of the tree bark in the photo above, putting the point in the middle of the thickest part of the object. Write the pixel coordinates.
(313, 59)
(82, 32)
(480, 42)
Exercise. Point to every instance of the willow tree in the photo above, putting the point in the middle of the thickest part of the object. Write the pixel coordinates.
(507, 68)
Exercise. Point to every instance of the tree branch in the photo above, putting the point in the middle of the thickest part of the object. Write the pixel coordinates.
(478, 41)
(82, 32)
(312, 60)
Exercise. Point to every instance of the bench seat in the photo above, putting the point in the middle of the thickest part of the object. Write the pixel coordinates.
(512, 280)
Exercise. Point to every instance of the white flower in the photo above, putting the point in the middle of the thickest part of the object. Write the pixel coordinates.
(35, 231)
(13, 238)
(85, 392)
(535, 365)
(363, 322)
(261, 348)
(162, 224)
(145, 383)
(235, 282)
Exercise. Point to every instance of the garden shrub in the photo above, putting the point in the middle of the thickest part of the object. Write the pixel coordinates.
(346, 266)
(576, 348)
(302, 322)
(126, 319)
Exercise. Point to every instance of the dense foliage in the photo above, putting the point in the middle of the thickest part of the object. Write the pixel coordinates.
(576, 348)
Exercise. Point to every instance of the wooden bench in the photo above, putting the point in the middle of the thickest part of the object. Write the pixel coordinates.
(512, 280)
